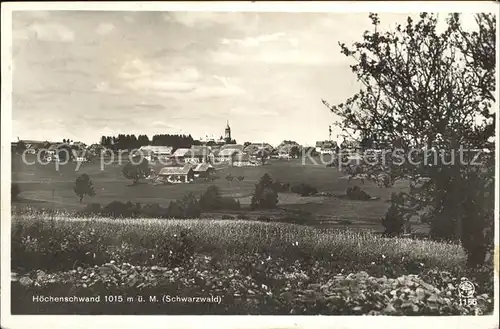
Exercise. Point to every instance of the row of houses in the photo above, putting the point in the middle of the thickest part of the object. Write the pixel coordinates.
(236, 154)
(233, 154)
(51, 151)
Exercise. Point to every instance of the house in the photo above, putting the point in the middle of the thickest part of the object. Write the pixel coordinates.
(232, 146)
(79, 156)
(159, 151)
(326, 147)
(175, 175)
(242, 160)
(79, 145)
(226, 155)
(53, 148)
(147, 154)
(203, 170)
(180, 153)
(253, 148)
(198, 154)
(172, 162)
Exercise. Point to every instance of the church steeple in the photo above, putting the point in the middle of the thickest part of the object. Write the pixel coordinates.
(228, 131)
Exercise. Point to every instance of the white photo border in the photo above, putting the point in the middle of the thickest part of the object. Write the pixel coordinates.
(76, 321)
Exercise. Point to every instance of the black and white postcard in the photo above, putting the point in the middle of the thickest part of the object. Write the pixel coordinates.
(285, 160)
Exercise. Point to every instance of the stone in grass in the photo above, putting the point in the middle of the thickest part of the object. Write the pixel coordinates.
(25, 281)
(390, 309)
(105, 271)
(420, 293)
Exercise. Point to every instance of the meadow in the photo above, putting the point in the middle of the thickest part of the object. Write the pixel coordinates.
(254, 267)
(45, 186)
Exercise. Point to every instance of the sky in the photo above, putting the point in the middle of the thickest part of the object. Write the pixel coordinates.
(84, 74)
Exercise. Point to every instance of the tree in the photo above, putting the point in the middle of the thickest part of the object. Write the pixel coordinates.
(190, 205)
(137, 169)
(295, 151)
(262, 155)
(211, 199)
(246, 144)
(84, 186)
(393, 220)
(15, 190)
(426, 89)
(264, 196)
(20, 147)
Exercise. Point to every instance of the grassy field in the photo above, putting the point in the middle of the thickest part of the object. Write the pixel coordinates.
(43, 185)
(254, 267)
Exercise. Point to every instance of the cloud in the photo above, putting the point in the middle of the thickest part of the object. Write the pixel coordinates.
(254, 41)
(150, 106)
(52, 32)
(104, 28)
(253, 112)
(201, 20)
(273, 56)
(185, 82)
(128, 19)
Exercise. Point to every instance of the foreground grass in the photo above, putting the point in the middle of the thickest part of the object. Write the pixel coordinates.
(254, 267)
(229, 238)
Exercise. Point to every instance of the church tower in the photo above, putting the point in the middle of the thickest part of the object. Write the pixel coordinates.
(228, 132)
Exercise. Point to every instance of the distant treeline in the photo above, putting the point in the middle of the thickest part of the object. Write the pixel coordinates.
(130, 142)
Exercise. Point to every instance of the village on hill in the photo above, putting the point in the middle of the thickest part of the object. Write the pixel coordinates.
(181, 157)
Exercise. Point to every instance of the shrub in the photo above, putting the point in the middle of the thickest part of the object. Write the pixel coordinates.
(117, 209)
(211, 199)
(280, 187)
(263, 218)
(227, 217)
(84, 186)
(151, 210)
(345, 222)
(264, 196)
(266, 199)
(304, 189)
(393, 221)
(190, 206)
(175, 210)
(355, 193)
(15, 190)
(93, 208)
(243, 217)
(293, 219)
(228, 203)
(138, 170)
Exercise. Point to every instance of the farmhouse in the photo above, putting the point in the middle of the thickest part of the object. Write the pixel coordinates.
(326, 147)
(52, 149)
(158, 150)
(176, 175)
(253, 148)
(172, 162)
(180, 153)
(147, 154)
(197, 154)
(79, 156)
(232, 146)
(203, 170)
(242, 160)
(226, 155)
